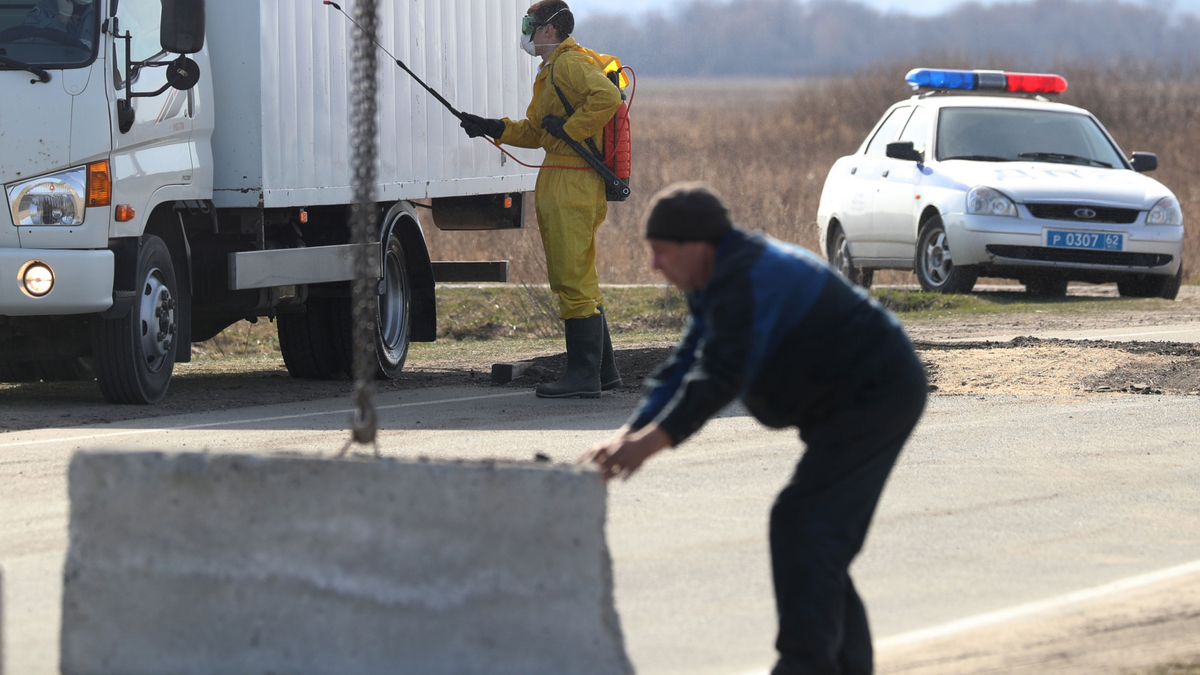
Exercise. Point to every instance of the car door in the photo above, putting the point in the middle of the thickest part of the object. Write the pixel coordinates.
(894, 224)
(859, 200)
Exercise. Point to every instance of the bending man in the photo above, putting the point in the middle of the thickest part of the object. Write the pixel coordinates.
(570, 203)
(771, 323)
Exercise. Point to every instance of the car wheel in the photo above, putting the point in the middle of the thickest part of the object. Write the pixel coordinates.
(1046, 286)
(840, 260)
(1151, 286)
(134, 355)
(934, 265)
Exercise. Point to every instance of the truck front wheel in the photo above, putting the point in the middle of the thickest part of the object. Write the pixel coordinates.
(134, 355)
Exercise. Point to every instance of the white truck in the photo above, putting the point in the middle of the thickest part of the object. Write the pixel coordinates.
(172, 168)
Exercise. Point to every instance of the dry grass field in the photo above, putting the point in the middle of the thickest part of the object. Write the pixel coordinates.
(767, 145)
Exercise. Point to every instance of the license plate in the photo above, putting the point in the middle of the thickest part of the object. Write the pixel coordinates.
(1095, 241)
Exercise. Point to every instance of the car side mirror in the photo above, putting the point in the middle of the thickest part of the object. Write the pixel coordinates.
(181, 30)
(1144, 161)
(904, 150)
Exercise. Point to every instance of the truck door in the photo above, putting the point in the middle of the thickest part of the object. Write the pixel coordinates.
(155, 151)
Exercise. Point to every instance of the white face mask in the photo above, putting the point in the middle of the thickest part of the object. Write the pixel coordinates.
(528, 46)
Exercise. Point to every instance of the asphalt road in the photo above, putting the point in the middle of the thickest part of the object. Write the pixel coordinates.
(997, 502)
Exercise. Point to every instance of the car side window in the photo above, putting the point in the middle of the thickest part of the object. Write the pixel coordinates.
(917, 129)
(887, 131)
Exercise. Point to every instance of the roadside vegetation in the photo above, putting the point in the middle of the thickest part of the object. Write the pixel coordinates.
(766, 146)
(470, 315)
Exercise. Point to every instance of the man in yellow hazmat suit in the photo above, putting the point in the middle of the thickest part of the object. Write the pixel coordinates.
(570, 202)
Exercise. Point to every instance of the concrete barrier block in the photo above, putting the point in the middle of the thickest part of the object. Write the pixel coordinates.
(198, 564)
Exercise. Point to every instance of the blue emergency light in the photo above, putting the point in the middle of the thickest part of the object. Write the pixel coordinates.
(985, 80)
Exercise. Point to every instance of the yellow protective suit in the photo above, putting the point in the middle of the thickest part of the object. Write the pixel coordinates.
(570, 204)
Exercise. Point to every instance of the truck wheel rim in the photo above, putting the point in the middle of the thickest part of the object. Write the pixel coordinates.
(391, 305)
(157, 320)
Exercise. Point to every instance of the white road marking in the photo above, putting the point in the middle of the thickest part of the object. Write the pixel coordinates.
(256, 420)
(1037, 607)
(1028, 609)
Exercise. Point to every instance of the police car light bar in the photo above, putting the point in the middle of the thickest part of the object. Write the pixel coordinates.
(985, 80)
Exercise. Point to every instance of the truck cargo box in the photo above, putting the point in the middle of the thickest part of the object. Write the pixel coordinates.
(282, 83)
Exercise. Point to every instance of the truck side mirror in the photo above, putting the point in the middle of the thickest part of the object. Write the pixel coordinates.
(904, 150)
(1144, 161)
(182, 27)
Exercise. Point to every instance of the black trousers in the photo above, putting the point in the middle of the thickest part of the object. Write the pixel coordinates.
(819, 521)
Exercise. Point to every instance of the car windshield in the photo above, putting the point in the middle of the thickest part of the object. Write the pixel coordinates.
(1010, 134)
(47, 34)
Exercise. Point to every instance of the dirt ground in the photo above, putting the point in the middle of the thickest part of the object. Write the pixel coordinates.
(1024, 365)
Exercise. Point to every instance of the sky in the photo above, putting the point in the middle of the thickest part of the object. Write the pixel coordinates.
(583, 8)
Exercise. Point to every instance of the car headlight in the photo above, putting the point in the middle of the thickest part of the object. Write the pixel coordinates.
(985, 201)
(1165, 212)
(57, 199)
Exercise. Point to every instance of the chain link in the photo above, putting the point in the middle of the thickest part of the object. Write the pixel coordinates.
(364, 224)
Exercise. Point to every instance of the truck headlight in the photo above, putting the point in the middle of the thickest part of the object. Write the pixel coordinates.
(984, 201)
(57, 199)
(1165, 212)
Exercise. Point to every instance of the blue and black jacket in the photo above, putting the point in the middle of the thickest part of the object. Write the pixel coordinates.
(775, 326)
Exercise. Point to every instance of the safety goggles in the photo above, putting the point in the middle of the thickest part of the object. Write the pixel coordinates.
(529, 24)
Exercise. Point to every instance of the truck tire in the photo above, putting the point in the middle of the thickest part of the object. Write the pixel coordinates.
(935, 269)
(134, 355)
(18, 372)
(306, 341)
(67, 370)
(393, 315)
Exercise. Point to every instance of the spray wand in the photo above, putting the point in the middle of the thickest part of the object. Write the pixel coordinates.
(596, 164)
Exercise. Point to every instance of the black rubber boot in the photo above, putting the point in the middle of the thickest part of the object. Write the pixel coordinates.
(585, 342)
(610, 377)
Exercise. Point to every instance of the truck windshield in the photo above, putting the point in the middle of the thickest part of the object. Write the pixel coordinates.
(1012, 134)
(48, 33)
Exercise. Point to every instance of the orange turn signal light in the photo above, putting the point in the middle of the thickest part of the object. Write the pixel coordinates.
(125, 213)
(99, 184)
(508, 202)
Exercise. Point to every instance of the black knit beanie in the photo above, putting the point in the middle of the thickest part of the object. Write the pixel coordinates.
(687, 212)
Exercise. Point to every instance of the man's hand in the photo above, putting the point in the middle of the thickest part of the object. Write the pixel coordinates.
(554, 126)
(624, 453)
(477, 126)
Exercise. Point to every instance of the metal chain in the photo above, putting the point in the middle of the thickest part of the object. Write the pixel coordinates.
(364, 224)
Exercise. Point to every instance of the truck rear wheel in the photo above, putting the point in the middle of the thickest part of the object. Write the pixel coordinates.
(18, 371)
(393, 317)
(306, 341)
(134, 355)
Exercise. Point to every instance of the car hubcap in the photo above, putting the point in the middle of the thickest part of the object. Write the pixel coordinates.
(157, 314)
(937, 259)
(843, 256)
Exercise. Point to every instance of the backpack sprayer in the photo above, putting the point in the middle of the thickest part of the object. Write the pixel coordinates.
(614, 164)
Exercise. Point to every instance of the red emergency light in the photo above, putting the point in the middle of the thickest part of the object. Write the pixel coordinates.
(1032, 83)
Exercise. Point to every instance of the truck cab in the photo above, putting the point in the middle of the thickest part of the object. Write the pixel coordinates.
(175, 166)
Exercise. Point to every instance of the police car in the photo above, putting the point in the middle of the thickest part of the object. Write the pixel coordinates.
(979, 174)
